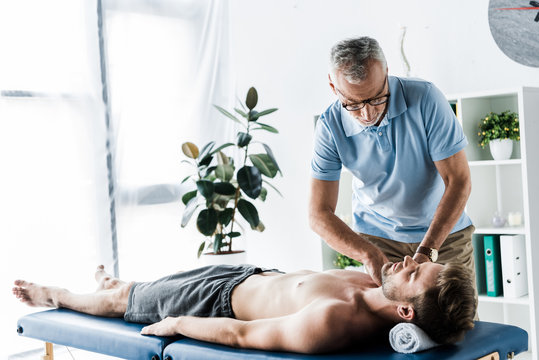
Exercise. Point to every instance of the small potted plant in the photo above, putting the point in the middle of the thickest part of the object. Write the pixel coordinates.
(344, 262)
(499, 131)
(225, 186)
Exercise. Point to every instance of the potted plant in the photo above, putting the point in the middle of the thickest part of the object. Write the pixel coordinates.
(344, 262)
(499, 131)
(224, 186)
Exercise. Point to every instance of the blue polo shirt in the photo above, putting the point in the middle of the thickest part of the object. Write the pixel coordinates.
(396, 186)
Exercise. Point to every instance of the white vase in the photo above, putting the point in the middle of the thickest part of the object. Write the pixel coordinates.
(501, 149)
(233, 258)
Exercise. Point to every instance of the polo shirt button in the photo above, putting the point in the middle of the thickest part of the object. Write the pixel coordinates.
(380, 133)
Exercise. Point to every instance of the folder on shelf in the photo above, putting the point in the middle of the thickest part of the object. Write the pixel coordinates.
(493, 269)
(479, 259)
(514, 273)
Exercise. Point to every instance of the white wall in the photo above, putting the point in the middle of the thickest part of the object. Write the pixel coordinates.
(281, 47)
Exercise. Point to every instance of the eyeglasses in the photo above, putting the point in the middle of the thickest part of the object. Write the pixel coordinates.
(380, 100)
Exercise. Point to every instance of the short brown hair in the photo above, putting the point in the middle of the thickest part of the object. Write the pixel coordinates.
(446, 311)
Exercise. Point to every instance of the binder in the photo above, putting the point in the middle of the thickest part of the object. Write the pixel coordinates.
(514, 273)
(493, 269)
(479, 259)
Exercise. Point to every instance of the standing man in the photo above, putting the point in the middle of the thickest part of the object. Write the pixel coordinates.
(405, 149)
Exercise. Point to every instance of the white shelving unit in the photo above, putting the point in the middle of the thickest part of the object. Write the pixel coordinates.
(503, 187)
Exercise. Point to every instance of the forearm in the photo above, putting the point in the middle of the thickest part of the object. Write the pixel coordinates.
(338, 235)
(447, 214)
(225, 331)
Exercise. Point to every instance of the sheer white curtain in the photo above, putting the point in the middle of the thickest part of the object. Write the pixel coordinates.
(54, 217)
(168, 62)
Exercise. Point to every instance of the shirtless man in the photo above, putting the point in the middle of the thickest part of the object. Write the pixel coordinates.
(306, 312)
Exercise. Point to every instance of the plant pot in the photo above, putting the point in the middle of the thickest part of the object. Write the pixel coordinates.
(501, 149)
(228, 258)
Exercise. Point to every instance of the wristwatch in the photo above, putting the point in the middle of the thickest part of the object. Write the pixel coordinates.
(430, 252)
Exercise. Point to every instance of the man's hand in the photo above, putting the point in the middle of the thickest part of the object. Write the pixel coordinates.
(421, 258)
(374, 262)
(165, 327)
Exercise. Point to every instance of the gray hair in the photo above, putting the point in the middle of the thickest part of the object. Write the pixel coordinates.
(352, 56)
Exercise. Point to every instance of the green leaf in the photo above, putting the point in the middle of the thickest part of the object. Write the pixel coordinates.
(222, 159)
(206, 160)
(270, 154)
(200, 249)
(266, 127)
(273, 187)
(238, 100)
(263, 194)
(224, 188)
(252, 98)
(249, 212)
(206, 188)
(206, 149)
(241, 112)
(188, 196)
(217, 243)
(233, 234)
(189, 210)
(266, 112)
(209, 170)
(186, 178)
(220, 202)
(190, 150)
(225, 216)
(243, 139)
(252, 115)
(265, 164)
(250, 181)
(188, 162)
(207, 221)
(221, 147)
(224, 172)
(229, 115)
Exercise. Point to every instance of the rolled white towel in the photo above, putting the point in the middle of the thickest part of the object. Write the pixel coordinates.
(409, 338)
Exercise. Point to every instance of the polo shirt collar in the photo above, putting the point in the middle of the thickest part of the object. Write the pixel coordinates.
(397, 105)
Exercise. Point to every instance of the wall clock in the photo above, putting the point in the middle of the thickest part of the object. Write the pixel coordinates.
(514, 25)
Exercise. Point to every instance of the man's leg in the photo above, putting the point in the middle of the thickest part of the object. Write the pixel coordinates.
(109, 300)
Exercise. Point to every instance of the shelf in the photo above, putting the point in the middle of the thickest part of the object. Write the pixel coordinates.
(494, 162)
(501, 230)
(523, 300)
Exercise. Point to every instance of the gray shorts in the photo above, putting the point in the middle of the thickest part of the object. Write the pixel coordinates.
(204, 292)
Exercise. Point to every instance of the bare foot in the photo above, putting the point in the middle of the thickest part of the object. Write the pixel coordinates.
(34, 294)
(105, 280)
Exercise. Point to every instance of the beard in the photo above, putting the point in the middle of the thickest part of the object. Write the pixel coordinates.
(374, 120)
(389, 288)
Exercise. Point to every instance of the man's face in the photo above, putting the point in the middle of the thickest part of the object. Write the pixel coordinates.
(403, 280)
(373, 86)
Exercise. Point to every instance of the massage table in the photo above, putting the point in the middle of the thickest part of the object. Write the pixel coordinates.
(115, 337)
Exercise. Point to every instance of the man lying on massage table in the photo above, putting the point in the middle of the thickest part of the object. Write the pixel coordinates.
(306, 311)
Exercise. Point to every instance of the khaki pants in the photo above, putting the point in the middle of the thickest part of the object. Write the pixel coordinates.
(456, 248)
